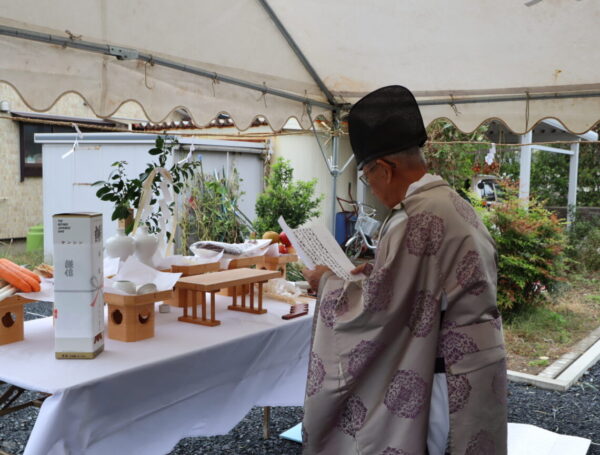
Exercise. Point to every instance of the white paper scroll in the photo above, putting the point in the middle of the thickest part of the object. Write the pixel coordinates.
(316, 246)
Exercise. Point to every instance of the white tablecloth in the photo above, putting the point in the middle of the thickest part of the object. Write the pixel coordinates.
(143, 397)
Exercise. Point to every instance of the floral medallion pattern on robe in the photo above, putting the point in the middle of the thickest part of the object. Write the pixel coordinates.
(353, 416)
(499, 385)
(454, 345)
(465, 210)
(481, 444)
(334, 304)
(392, 451)
(362, 355)
(459, 390)
(316, 375)
(406, 394)
(469, 273)
(378, 291)
(425, 232)
(422, 316)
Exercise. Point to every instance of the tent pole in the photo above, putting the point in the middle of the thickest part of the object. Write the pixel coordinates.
(525, 166)
(572, 195)
(335, 171)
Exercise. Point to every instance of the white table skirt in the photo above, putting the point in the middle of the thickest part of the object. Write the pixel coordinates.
(143, 397)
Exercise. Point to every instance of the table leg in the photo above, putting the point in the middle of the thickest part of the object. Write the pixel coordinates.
(212, 306)
(203, 300)
(192, 300)
(183, 299)
(235, 296)
(252, 296)
(260, 297)
(266, 422)
(243, 300)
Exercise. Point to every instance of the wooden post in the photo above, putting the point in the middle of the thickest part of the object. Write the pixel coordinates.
(193, 302)
(203, 300)
(260, 296)
(252, 296)
(183, 293)
(266, 422)
(212, 306)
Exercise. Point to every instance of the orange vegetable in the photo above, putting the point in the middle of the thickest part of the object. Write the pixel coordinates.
(15, 278)
(21, 269)
(26, 275)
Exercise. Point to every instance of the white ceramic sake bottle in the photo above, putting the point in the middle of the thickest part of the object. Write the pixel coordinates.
(120, 245)
(145, 245)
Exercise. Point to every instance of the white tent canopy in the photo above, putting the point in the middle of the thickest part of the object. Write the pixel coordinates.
(515, 60)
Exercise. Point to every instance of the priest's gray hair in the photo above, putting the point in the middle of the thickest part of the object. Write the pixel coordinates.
(414, 154)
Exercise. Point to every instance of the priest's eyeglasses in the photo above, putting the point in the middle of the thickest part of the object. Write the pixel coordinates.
(364, 177)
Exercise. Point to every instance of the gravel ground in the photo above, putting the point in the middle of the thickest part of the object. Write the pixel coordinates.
(575, 412)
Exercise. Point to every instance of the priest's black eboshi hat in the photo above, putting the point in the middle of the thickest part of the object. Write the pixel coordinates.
(385, 121)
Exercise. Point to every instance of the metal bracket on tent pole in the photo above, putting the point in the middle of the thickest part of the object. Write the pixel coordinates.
(123, 53)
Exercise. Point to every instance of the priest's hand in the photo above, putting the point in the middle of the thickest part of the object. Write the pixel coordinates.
(364, 268)
(314, 276)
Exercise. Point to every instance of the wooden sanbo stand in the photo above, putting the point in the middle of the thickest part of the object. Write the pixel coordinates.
(131, 317)
(11, 319)
(191, 291)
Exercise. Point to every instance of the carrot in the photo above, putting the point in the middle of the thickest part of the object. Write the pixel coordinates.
(24, 274)
(22, 269)
(14, 278)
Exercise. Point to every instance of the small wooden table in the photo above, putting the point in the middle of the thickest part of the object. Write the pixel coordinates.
(191, 292)
(190, 270)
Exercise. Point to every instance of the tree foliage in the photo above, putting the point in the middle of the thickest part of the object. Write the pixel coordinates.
(125, 193)
(294, 200)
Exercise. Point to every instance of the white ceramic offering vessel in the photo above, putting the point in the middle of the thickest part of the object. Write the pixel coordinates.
(145, 245)
(120, 245)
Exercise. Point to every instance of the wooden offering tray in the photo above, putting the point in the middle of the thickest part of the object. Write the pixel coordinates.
(246, 262)
(11, 319)
(191, 292)
(131, 317)
(189, 270)
(278, 262)
(196, 269)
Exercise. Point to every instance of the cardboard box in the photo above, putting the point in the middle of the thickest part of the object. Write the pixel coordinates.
(78, 280)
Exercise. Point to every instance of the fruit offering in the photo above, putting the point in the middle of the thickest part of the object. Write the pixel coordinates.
(271, 235)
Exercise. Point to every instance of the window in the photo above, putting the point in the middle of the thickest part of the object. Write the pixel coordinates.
(31, 153)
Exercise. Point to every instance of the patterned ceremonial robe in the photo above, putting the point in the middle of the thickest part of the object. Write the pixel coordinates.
(375, 345)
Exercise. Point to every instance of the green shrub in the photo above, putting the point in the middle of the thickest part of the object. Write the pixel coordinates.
(584, 242)
(295, 201)
(531, 244)
(210, 210)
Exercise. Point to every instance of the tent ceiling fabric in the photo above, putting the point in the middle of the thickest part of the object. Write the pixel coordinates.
(443, 51)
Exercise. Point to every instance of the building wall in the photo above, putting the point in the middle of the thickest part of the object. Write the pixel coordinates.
(307, 162)
(21, 202)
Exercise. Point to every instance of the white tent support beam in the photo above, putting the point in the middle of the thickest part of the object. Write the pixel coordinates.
(552, 149)
(525, 166)
(572, 194)
(133, 54)
(309, 68)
